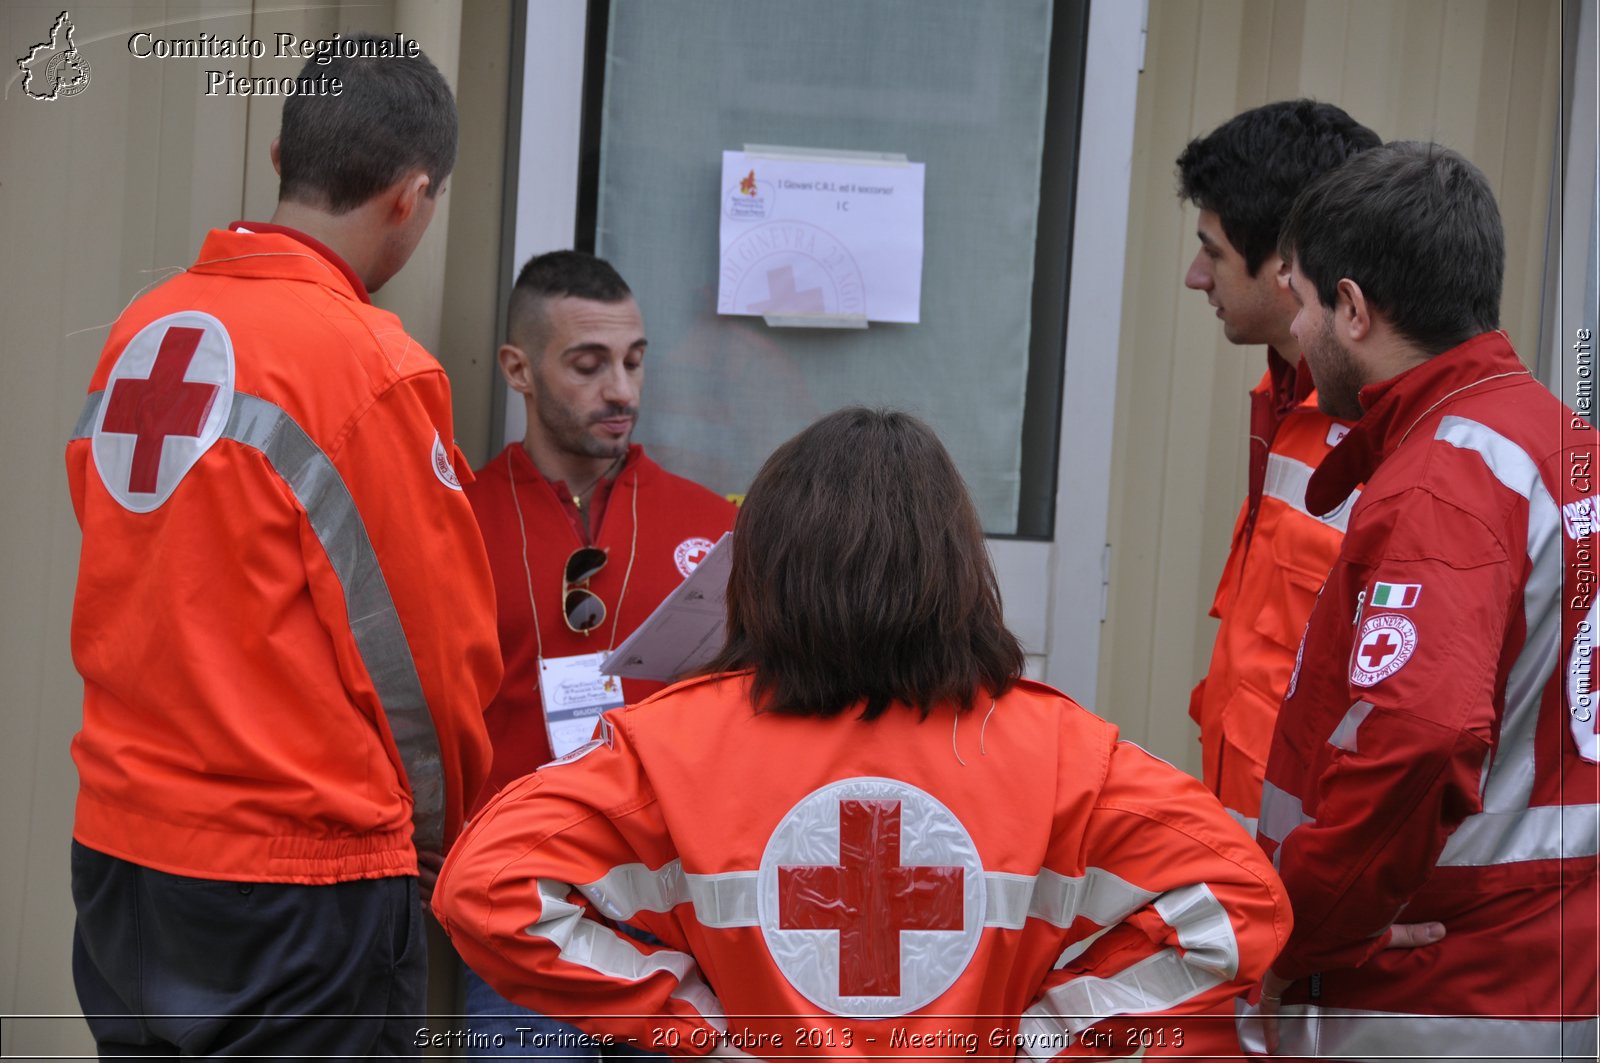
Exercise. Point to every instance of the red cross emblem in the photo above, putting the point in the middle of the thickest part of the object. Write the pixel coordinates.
(161, 405)
(1379, 650)
(166, 400)
(872, 897)
(690, 553)
(869, 898)
(1386, 643)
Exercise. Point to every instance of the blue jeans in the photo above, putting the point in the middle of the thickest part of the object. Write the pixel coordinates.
(503, 1030)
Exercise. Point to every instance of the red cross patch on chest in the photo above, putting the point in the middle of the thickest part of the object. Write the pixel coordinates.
(166, 401)
(881, 883)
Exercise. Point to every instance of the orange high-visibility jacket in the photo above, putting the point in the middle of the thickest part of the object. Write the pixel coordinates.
(1279, 558)
(991, 886)
(284, 618)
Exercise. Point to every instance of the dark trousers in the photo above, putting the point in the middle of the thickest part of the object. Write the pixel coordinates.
(174, 967)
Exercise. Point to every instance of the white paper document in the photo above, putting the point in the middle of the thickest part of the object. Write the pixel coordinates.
(820, 237)
(686, 629)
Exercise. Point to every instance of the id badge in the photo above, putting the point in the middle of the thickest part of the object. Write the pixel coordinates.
(575, 692)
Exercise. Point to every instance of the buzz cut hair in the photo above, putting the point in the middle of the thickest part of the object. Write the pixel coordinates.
(550, 276)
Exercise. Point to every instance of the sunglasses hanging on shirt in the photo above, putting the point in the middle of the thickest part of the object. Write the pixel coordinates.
(581, 607)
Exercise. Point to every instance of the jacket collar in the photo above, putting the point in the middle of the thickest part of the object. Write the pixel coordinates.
(261, 249)
(1392, 408)
(1291, 383)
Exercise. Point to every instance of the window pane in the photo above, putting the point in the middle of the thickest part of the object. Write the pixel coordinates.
(957, 85)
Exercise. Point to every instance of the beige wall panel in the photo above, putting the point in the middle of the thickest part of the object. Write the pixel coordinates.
(1284, 60)
(1524, 185)
(1418, 28)
(1475, 74)
(1255, 41)
(1461, 75)
(470, 328)
(1124, 694)
(1325, 45)
(108, 192)
(1373, 65)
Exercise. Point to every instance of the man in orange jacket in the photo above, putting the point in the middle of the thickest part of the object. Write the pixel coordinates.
(284, 618)
(1244, 177)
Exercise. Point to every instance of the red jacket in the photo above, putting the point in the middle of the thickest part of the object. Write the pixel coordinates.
(833, 887)
(283, 619)
(1435, 757)
(655, 527)
(1281, 553)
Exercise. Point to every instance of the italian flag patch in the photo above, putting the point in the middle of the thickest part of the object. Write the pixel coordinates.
(1395, 595)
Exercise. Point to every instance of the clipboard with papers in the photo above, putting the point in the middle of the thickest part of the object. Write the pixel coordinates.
(687, 628)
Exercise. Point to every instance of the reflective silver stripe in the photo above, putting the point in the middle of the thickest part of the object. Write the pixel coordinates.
(1286, 481)
(720, 901)
(729, 899)
(1203, 928)
(1545, 832)
(1344, 736)
(725, 900)
(1508, 830)
(1249, 823)
(1098, 895)
(1281, 813)
(1510, 781)
(1398, 1037)
(629, 889)
(1155, 983)
(91, 410)
(374, 622)
(586, 943)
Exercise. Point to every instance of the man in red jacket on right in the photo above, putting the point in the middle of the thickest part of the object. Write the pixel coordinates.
(1432, 798)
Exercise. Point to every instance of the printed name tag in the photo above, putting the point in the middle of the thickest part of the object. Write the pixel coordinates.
(575, 692)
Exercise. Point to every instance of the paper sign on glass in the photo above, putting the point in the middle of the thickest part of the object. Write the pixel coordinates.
(575, 692)
(820, 237)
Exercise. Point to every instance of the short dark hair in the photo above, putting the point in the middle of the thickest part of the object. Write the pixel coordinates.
(1416, 226)
(861, 575)
(393, 115)
(1249, 170)
(551, 276)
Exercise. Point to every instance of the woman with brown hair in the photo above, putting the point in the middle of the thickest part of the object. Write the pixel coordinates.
(862, 833)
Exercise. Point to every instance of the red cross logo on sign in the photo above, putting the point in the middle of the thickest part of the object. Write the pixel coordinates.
(166, 399)
(883, 883)
(1385, 645)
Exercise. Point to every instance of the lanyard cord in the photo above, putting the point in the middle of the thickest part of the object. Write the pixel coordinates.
(1457, 391)
(527, 569)
(633, 550)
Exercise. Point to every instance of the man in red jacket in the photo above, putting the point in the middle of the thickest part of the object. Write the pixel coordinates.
(586, 535)
(284, 618)
(1432, 800)
(1244, 177)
